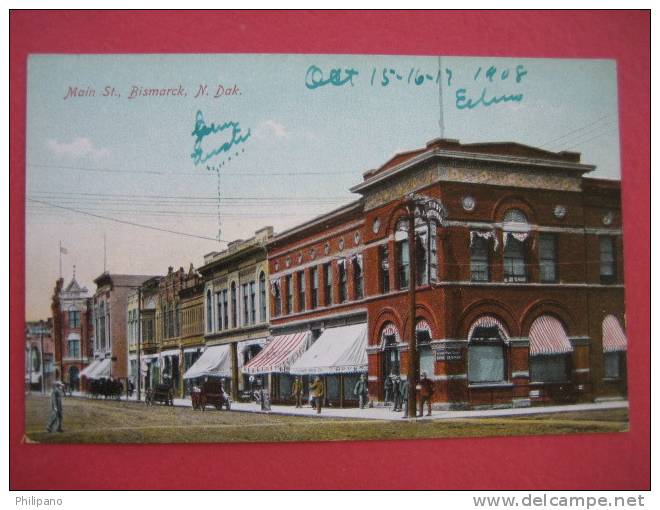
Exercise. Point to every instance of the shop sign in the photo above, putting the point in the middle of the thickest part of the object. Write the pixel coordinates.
(449, 353)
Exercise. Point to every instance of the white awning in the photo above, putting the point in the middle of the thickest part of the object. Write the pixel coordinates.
(215, 361)
(338, 350)
(89, 368)
(101, 370)
(279, 354)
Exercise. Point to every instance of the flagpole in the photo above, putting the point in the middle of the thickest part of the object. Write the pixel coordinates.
(60, 259)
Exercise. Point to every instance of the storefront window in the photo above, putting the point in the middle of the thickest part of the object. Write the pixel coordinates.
(425, 353)
(350, 380)
(486, 355)
(332, 387)
(612, 363)
(549, 368)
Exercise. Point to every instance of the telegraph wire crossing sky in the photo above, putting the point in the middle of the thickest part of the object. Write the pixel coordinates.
(101, 164)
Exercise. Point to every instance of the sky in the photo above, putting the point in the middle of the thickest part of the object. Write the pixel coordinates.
(302, 136)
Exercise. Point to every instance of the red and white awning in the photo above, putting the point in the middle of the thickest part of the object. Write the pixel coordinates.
(390, 330)
(547, 336)
(488, 321)
(614, 338)
(279, 354)
(423, 325)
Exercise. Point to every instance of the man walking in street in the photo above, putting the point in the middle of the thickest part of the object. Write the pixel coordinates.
(403, 390)
(388, 388)
(425, 394)
(396, 392)
(297, 391)
(55, 422)
(317, 390)
(362, 391)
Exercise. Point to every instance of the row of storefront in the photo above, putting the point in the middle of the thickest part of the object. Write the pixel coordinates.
(518, 289)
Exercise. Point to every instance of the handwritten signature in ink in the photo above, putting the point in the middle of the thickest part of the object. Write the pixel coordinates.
(201, 131)
(463, 102)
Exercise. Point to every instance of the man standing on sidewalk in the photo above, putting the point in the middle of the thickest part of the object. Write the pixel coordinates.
(362, 391)
(297, 391)
(317, 390)
(425, 393)
(55, 422)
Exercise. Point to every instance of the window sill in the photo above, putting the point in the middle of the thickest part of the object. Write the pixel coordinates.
(476, 386)
(612, 379)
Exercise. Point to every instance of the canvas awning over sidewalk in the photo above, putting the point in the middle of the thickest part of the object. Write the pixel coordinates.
(215, 361)
(85, 372)
(340, 350)
(279, 354)
(102, 370)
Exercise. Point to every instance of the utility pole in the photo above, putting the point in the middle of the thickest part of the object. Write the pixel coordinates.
(43, 382)
(412, 345)
(139, 344)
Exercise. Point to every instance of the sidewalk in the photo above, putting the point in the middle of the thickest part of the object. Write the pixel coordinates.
(384, 413)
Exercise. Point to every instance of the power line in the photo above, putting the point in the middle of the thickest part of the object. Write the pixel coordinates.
(127, 222)
(551, 142)
(187, 197)
(196, 174)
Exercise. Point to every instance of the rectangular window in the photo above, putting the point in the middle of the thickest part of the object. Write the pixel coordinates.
(612, 362)
(358, 277)
(607, 260)
(225, 310)
(343, 284)
(421, 256)
(479, 259)
(548, 257)
(384, 268)
(515, 268)
(433, 252)
(403, 264)
(327, 277)
(74, 319)
(278, 298)
(148, 333)
(549, 368)
(234, 306)
(218, 315)
(74, 348)
(301, 290)
(246, 309)
(289, 293)
(314, 275)
(485, 363)
(262, 298)
(253, 302)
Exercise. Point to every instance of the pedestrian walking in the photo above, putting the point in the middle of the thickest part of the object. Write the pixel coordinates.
(264, 397)
(297, 391)
(55, 423)
(388, 388)
(425, 388)
(396, 393)
(404, 388)
(362, 391)
(318, 391)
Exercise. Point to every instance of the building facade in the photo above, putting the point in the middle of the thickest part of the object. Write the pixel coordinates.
(191, 305)
(519, 276)
(110, 324)
(39, 356)
(236, 304)
(72, 332)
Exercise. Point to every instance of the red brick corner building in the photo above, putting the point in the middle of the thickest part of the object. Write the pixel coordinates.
(519, 288)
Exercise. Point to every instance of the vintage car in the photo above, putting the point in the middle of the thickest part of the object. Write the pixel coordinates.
(163, 393)
(211, 393)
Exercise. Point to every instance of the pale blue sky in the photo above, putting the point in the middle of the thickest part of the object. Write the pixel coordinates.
(335, 131)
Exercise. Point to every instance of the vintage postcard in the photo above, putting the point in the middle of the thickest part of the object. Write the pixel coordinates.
(231, 248)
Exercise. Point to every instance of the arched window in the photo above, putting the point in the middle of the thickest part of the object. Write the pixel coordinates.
(277, 297)
(389, 339)
(424, 351)
(209, 312)
(515, 230)
(402, 255)
(262, 297)
(549, 351)
(486, 351)
(615, 345)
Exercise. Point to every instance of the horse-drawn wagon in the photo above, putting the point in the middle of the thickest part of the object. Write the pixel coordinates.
(163, 393)
(211, 393)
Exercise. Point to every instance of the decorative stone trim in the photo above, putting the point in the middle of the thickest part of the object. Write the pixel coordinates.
(449, 377)
(520, 373)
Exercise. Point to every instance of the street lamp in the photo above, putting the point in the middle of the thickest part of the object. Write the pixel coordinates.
(426, 209)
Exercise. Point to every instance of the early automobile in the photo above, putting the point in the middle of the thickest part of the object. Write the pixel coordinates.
(211, 393)
(163, 393)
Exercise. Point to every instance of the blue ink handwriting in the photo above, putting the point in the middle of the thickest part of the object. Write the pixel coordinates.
(201, 131)
(463, 102)
(315, 77)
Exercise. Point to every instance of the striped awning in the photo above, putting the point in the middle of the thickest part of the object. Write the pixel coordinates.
(614, 339)
(340, 350)
(102, 370)
(488, 321)
(547, 336)
(390, 330)
(279, 354)
(423, 325)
